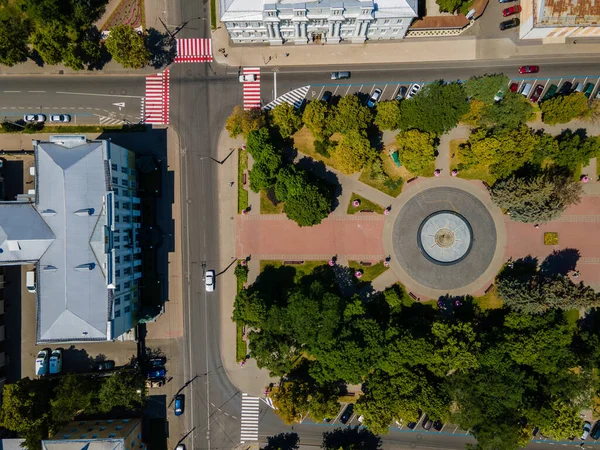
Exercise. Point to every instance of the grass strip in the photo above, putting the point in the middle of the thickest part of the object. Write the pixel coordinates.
(213, 15)
(240, 344)
(365, 204)
(242, 166)
(369, 272)
(267, 206)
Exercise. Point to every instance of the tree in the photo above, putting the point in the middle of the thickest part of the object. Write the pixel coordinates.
(316, 117)
(127, 47)
(512, 111)
(249, 308)
(484, 88)
(574, 150)
(324, 403)
(564, 108)
(291, 181)
(286, 118)
(538, 199)
(353, 152)
(350, 115)
(263, 174)
(308, 207)
(456, 348)
(436, 109)
(51, 41)
(476, 111)
(25, 405)
(387, 115)
(73, 395)
(561, 420)
(291, 400)
(502, 150)
(243, 122)
(14, 32)
(124, 389)
(449, 5)
(259, 144)
(416, 151)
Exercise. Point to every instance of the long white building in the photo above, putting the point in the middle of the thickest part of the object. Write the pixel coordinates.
(80, 229)
(319, 21)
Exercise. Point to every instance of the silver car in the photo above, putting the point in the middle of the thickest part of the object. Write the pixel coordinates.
(586, 430)
(65, 118)
(414, 90)
(31, 118)
(209, 281)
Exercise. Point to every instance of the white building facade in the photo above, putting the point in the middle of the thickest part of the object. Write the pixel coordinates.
(316, 22)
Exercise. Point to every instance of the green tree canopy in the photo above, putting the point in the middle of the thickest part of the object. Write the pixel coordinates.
(387, 115)
(308, 207)
(291, 399)
(564, 108)
(74, 394)
(316, 117)
(243, 122)
(537, 199)
(25, 405)
(291, 181)
(14, 33)
(416, 151)
(484, 88)
(449, 5)
(353, 152)
(127, 47)
(124, 389)
(436, 109)
(511, 112)
(51, 41)
(286, 119)
(350, 115)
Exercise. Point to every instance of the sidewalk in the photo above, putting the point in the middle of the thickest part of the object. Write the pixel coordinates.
(467, 48)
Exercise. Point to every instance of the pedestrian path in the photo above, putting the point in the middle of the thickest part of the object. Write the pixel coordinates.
(252, 88)
(156, 103)
(193, 51)
(294, 98)
(250, 416)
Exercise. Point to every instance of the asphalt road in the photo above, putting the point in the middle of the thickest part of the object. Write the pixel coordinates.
(87, 98)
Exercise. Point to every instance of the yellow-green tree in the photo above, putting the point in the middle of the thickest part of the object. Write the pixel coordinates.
(564, 108)
(353, 152)
(127, 47)
(315, 117)
(416, 151)
(286, 118)
(243, 122)
(387, 115)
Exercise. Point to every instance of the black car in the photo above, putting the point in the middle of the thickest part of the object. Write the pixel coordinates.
(103, 366)
(508, 24)
(345, 417)
(326, 96)
(438, 425)
(595, 434)
(402, 90)
(412, 425)
(565, 88)
(505, 1)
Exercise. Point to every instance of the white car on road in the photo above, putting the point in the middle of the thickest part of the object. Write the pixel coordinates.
(60, 118)
(209, 281)
(245, 78)
(39, 118)
(41, 363)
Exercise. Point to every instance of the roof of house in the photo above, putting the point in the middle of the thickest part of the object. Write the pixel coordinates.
(72, 294)
(24, 236)
(568, 13)
(253, 9)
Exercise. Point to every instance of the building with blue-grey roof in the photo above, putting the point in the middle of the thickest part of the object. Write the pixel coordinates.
(80, 229)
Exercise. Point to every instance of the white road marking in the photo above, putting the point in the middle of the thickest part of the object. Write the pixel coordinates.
(41, 92)
(99, 95)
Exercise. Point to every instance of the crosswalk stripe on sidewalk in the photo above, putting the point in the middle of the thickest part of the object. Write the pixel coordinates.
(249, 419)
(252, 88)
(156, 105)
(194, 50)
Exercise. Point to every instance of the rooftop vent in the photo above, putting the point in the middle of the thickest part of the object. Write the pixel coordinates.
(84, 267)
(84, 212)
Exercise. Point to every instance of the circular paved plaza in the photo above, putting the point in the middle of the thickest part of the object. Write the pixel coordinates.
(444, 238)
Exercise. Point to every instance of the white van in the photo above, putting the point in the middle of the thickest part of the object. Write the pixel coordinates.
(30, 282)
(526, 89)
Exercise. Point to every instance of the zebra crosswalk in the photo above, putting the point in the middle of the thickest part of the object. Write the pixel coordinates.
(110, 121)
(157, 99)
(193, 51)
(250, 416)
(294, 98)
(252, 88)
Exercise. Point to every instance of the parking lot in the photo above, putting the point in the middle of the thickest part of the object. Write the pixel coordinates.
(389, 90)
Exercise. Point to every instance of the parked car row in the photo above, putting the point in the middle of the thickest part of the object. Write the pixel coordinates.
(535, 94)
(41, 118)
(48, 361)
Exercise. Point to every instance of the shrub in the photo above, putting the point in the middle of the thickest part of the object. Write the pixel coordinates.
(551, 238)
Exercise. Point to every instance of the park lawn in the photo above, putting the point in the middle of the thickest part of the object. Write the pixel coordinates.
(365, 203)
(267, 206)
(301, 269)
(242, 192)
(397, 175)
(489, 300)
(369, 272)
(474, 173)
(572, 316)
(303, 141)
(240, 344)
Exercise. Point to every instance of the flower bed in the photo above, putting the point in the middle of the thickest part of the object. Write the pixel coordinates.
(550, 238)
(129, 12)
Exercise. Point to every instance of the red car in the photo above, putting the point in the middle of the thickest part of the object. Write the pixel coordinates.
(512, 10)
(537, 93)
(514, 87)
(529, 69)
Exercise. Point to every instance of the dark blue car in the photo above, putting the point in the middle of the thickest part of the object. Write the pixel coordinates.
(157, 374)
(179, 404)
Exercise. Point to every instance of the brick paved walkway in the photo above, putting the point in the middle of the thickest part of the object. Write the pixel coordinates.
(276, 237)
(577, 229)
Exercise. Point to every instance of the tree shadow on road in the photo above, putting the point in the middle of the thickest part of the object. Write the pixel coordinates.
(283, 441)
(355, 438)
(162, 47)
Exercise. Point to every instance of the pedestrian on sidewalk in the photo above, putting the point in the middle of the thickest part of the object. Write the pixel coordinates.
(230, 183)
